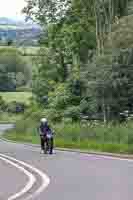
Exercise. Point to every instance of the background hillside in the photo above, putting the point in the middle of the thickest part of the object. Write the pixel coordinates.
(18, 32)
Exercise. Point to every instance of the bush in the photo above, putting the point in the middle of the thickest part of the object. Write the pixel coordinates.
(72, 112)
(59, 98)
(16, 107)
(53, 115)
(3, 105)
(83, 106)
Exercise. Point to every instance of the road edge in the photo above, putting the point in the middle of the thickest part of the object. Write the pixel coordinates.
(122, 156)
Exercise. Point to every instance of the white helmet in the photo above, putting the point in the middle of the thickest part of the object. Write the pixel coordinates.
(43, 120)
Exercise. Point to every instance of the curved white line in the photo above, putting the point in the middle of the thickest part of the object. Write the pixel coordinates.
(44, 177)
(109, 157)
(29, 184)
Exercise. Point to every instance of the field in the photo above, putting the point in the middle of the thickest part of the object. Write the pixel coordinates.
(16, 96)
(14, 27)
(29, 54)
(11, 27)
(27, 51)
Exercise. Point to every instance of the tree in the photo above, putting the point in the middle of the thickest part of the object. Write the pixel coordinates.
(80, 57)
(121, 34)
(46, 11)
(6, 83)
(9, 42)
(11, 63)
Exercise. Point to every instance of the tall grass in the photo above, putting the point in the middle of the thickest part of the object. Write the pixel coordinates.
(97, 132)
(90, 136)
(9, 118)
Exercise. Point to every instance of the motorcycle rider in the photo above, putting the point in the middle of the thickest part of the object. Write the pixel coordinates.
(46, 137)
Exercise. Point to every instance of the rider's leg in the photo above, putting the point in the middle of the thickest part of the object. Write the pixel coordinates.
(51, 145)
(47, 143)
(42, 143)
(45, 146)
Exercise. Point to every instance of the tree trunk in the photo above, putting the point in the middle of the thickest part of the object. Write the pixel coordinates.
(64, 67)
(76, 66)
(104, 112)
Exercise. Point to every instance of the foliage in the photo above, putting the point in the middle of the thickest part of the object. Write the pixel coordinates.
(16, 107)
(23, 97)
(82, 71)
(2, 104)
(14, 71)
(121, 34)
(92, 136)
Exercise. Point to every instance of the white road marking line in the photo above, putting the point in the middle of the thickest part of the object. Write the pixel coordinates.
(88, 154)
(34, 149)
(113, 158)
(30, 183)
(44, 177)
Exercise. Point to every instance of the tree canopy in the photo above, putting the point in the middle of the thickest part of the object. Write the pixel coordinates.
(14, 71)
(84, 70)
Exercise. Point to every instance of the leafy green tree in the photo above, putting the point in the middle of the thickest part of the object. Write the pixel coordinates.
(11, 64)
(79, 57)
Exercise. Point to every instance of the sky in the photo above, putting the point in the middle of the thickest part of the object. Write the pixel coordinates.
(11, 8)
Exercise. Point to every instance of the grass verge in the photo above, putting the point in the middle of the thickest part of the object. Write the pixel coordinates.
(9, 118)
(66, 137)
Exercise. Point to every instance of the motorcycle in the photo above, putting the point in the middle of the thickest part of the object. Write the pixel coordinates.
(49, 144)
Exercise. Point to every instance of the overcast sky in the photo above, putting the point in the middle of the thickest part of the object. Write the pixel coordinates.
(11, 8)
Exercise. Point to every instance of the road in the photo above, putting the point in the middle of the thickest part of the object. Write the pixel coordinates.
(26, 174)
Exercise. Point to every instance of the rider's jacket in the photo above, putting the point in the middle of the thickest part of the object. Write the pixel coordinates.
(45, 130)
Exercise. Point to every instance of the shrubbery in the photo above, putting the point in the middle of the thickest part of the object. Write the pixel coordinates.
(73, 113)
(13, 107)
(89, 136)
(2, 105)
(16, 107)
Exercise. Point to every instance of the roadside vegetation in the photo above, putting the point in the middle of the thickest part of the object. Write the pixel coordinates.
(15, 84)
(16, 96)
(91, 137)
(13, 105)
(82, 78)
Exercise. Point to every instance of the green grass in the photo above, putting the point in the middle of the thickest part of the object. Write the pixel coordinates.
(9, 118)
(62, 143)
(13, 27)
(28, 51)
(112, 139)
(16, 96)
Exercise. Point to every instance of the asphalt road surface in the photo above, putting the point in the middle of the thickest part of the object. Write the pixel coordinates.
(26, 174)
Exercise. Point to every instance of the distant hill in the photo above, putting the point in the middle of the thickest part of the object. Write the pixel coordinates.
(19, 32)
(5, 21)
